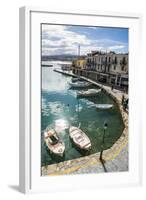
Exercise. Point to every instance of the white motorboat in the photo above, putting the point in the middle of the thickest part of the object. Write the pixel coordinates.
(104, 106)
(80, 84)
(79, 138)
(54, 144)
(88, 93)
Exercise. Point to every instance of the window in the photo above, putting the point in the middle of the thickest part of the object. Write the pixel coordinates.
(116, 60)
(114, 67)
(122, 68)
(124, 61)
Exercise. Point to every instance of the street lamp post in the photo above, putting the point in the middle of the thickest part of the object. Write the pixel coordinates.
(102, 145)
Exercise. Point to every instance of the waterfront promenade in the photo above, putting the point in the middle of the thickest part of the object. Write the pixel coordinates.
(115, 159)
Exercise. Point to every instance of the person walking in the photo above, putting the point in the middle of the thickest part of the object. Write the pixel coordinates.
(123, 99)
(126, 102)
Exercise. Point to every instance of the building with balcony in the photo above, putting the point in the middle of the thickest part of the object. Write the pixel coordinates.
(110, 68)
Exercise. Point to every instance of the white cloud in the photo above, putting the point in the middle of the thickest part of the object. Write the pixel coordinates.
(58, 39)
(116, 47)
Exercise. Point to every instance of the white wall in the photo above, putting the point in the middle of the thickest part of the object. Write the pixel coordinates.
(9, 41)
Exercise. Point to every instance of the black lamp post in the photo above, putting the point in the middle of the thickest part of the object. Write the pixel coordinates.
(102, 145)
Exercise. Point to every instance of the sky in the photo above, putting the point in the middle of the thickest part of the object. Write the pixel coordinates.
(65, 39)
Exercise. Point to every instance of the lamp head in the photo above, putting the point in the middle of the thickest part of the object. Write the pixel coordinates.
(105, 125)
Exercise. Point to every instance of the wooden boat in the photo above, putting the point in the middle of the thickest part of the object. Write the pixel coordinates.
(80, 84)
(88, 93)
(79, 138)
(104, 106)
(53, 142)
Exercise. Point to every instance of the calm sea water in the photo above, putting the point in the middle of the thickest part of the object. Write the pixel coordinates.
(60, 107)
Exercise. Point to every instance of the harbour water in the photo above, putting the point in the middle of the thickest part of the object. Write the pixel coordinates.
(61, 108)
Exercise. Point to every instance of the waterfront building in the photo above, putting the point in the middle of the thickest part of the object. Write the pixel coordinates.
(107, 67)
(91, 61)
(119, 70)
(80, 62)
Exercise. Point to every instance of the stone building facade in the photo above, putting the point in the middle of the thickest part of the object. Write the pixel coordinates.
(80, 63)
(109, 68)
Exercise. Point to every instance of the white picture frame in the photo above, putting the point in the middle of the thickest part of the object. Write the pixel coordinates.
(30, 179)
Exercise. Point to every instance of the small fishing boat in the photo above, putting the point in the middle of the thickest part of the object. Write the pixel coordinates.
(88, 93)
(53, 142)
(79, 138)
(104, 106)
(80, 84)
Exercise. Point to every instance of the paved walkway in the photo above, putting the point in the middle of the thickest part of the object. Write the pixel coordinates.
(114, 161)
(119, 164)
(115, 158)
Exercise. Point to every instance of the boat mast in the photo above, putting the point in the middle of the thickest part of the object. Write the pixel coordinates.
(78, 50)
(78, 58)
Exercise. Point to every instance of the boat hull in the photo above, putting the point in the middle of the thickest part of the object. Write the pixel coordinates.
(75, 79)
(61, 153)
(75, 85)
(79, 138)
(58, 148)
(104, 106)
(88, 94)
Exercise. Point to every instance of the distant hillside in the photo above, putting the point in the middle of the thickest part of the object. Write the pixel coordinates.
(64, 57)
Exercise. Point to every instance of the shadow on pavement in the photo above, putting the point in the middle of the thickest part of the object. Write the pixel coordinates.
(103, 165)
